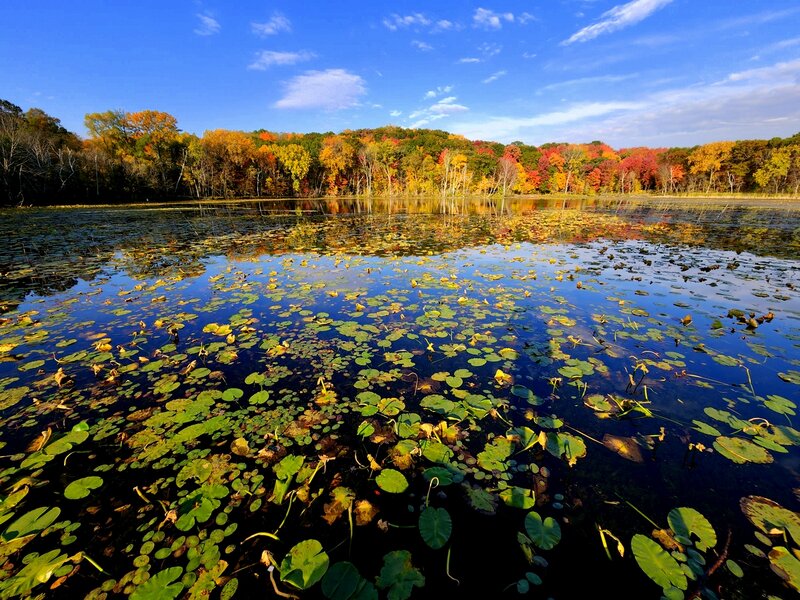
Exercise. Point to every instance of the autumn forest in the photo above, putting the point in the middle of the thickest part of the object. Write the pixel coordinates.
(136, 156)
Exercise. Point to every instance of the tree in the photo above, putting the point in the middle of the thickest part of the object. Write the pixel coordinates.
(294, 159)
(708, 160)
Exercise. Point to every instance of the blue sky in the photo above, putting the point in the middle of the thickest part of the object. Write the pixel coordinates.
(643, 72)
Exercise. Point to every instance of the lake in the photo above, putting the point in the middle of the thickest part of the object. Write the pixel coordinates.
(362, 399)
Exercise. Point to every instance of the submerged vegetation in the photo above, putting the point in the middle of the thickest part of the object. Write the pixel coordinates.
(225, 401)
(144, 155)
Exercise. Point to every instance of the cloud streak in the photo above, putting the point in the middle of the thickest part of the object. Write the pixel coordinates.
(616, 18)
(332, 89)
(753, 103)
(208, 25)
(276, 24)
(269, 58)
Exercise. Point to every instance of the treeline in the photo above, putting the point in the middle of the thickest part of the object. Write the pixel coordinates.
(143, 155)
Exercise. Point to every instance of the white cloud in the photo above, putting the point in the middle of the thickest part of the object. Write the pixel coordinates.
(444, 107)
(275, 25)
(489, 50)
(598, 79)
(468, 60)
(395, 21)
(439, 91)
(525, 18)
(618, 17)
(421, 46)
(494, 76)
(269, 58)
(208, 25)
(447, 106)
(332, 89)
(528, 55)
(443, 25)
(488, 19)
(395, 113)
(756, 103)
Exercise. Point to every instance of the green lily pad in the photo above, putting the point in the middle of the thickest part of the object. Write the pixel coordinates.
(38, 570)
(741, 451)
(790, 377)
(31, 522)
(770, 517)
(392, 481)
(545, 533)
(80, 488)
(686, 521)
(435, 526)
(161, 586)
(785, 564)
(305, 564)
(399, 576)
(518, 497)
(343, 582)
(657, 564)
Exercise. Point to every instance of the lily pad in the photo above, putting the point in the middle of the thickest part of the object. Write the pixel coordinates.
(657, 563)
(80, 488)
(305, 564)
(687, 521)
(741, 451)
(392, 481)
(786, 566)
(161, 586)
(770, 517)
(545, 533)
(399, 576)
(435, 526)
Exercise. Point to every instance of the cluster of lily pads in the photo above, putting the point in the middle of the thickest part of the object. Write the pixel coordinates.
(310, 418)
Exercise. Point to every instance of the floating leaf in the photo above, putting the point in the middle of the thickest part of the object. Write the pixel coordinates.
(305, 564)
(770, 517)
(686, 521)
(545, 534)
(80, 488)
(741, 451)
(518, 497)
(344, 582)
(161, 586)
(626, 447)
(399, 575)
(786, 566)
(657, 564)
(435, 526)
(37, 570)
(392, 481)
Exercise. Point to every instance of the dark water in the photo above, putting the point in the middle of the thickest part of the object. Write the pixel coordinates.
(198, 346)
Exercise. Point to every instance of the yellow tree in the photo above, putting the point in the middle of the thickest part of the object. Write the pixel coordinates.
(708, 160)
(337, 157)
(294, 159)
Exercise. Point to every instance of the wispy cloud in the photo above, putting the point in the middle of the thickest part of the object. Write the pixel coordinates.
(468, 60)
(581, 81)
(444, 107)
(276, 24)
(485, 18)
(208, 25)
(506, 128)
(494, 76)
(753, 103)
(395, 21)
(395, 113)
(618, 17)
(269, 58)
(439, 91)
(421, 46)
(332, 89)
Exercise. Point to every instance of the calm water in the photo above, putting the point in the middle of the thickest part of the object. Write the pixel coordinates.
(175, 380)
